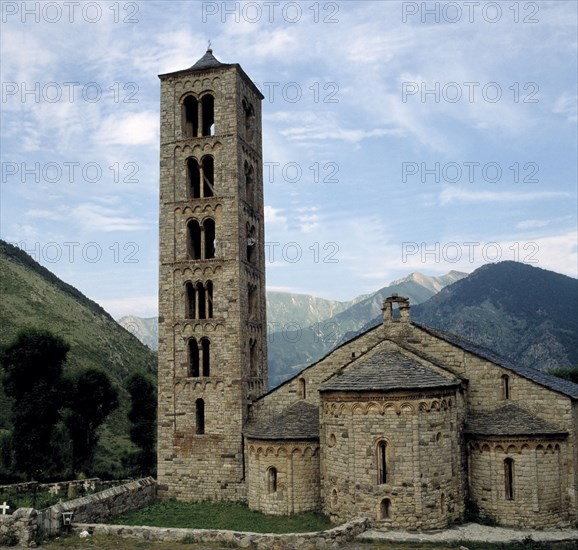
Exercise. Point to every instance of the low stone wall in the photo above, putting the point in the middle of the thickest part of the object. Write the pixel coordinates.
(25, 525)
(101, 506)
(19, 528)
(68, 489)
(332, 538)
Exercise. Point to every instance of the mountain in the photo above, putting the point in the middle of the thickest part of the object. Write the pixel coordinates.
(146, 329)
(296, 345)
(524, 313)
(33, 296)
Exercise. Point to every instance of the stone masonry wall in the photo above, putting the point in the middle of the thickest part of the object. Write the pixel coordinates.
(19, 528)
(424, 470)
(331, 539)
(485, 393)
(537, 499)
(297, 467)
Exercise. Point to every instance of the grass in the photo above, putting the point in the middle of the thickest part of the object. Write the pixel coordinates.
(221, 515)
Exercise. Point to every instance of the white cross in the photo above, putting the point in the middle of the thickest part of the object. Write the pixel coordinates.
(4, 507)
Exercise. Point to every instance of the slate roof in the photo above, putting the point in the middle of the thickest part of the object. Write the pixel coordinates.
(208, 61)
(387, 370)
(551, 382)
(298, 421)
(508, 420)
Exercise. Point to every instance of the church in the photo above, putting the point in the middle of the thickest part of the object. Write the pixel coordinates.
(406, 425)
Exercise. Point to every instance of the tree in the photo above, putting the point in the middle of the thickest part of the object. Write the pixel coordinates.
(92, 398)
(32, 367)
(143, 414)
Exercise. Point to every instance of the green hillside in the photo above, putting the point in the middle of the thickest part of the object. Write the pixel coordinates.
(32, 296)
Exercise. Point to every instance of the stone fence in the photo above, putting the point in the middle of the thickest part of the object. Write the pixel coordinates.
(26, 525)
(320, 540)
(68, 489)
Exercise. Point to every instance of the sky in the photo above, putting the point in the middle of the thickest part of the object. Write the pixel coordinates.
(397, 136)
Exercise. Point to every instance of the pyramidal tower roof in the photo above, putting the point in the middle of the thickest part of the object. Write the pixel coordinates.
(208, 61)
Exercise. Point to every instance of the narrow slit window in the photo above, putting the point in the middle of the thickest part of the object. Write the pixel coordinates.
(200, 416)
(509, 478)
(382, 462)
(385, 508)
(302, 388)
(272, 480)
(506, 390)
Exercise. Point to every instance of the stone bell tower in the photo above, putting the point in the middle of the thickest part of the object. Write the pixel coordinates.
(212, 356)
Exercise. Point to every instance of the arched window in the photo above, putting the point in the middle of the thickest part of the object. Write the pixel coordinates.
(272, 480)
(193, 358)
(208, 176)
(249, 119)
(302, 388)
(249, 182)
(334, 498)
(209, 287)
(201, 301)
(382, 462)
(208, 115)
(190, 301)
(253, 357)
(252, 299)
(251, 243)
(200, 416)
(209, 226)
(190, 117)
(509, 478)
(505, 386)
(193, 178)
(206, 345)
(385, 509)
(194, 240)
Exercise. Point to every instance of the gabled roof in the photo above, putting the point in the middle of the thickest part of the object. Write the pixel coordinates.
(298, 421)
(385, 371)
(547, 380)
(508, 420)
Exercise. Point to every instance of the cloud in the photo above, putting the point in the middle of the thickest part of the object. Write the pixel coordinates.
(92, 217)
(567, 105)
(128, 129)
(532, 224)
(455, 194)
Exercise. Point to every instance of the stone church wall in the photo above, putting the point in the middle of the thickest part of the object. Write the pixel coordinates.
(296, 486)
(423, 488)
(537, 500)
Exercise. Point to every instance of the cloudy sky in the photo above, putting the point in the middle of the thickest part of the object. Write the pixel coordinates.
(398, 136)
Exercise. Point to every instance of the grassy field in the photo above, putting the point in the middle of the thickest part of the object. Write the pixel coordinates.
(221, 515)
